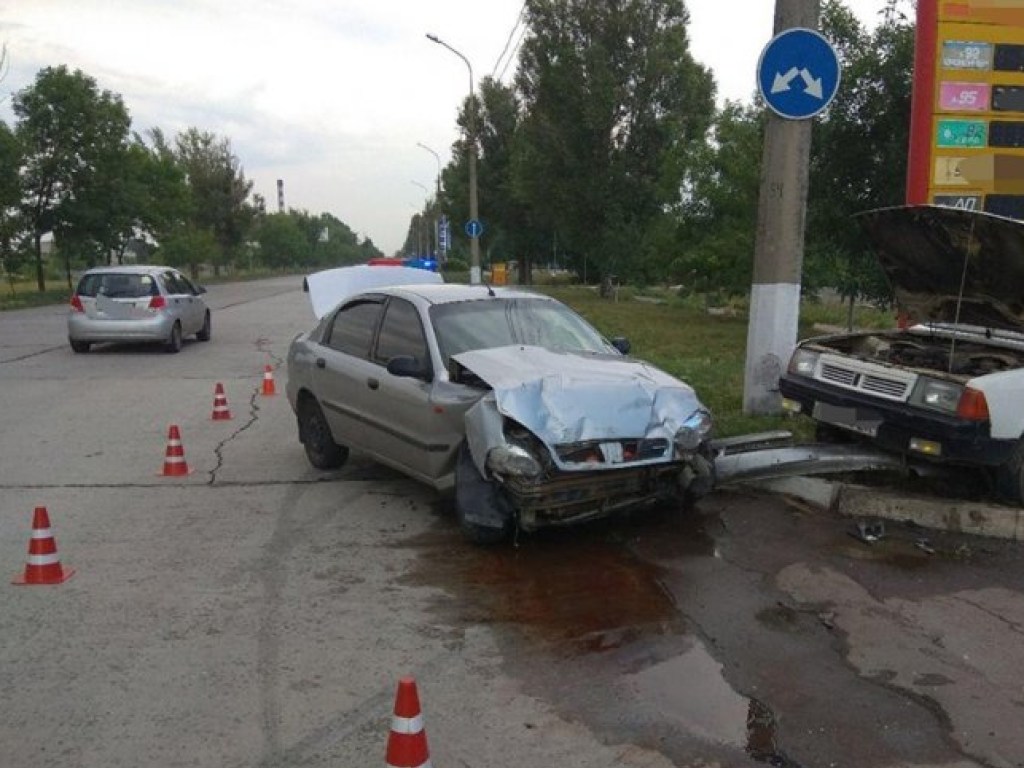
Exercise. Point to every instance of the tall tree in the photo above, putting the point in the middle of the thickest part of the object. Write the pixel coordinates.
(859, 155)
(10, 198)
(614, 106)
(220, 191)
(718, 216)
(66, 127)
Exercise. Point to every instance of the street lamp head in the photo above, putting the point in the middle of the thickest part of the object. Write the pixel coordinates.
(433, 38)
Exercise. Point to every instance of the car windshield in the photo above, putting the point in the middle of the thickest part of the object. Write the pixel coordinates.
(498, 322)
(117, 285)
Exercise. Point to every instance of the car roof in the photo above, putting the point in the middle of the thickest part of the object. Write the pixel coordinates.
(447, 293)
(129, 269)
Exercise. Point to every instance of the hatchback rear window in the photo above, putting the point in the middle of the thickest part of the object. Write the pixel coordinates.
(116, 285)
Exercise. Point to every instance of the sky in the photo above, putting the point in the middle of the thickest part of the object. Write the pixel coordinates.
(333, 97)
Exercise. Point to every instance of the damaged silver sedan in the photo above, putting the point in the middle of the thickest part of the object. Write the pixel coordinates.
(506, 397)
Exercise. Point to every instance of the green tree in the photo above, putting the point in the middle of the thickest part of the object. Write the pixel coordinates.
(187, 246)
(68, 129)
(614, 106)
(282, 242)
(165, 201)
(714, 240)
(859, 155)
(219, 190)
(11, 222)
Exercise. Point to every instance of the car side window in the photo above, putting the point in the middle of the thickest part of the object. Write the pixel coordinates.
(171, 283)
(352, 328)
(401, 333)
(187, 286)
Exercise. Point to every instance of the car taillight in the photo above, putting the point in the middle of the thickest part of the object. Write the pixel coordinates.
(76, 304)
(157, 302)
(972, 405)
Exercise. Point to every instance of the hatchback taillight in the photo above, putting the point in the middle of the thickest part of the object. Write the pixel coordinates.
(76, 304)
(157, 302)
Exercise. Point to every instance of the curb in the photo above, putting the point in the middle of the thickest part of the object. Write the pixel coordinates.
(955, 515)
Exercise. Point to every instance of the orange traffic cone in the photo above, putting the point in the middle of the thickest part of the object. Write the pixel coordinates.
(220, 404)
(174, 458)
(268, 382)
(407, 742)
(43, 566)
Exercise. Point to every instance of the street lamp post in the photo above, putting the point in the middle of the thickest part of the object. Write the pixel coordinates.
(437, 222)
(474, 242)
(419, 223)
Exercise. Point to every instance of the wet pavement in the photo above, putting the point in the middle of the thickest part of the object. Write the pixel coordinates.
(714, 638)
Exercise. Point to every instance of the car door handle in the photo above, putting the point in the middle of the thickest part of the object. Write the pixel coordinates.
(372, 383)
(321, 363)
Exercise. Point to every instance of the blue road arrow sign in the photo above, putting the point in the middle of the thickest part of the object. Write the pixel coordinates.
(798, 73)
(474, 228)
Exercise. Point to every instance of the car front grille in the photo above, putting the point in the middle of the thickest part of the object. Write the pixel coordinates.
(630, 450)
(838, 375)
(865, 377)
(569, 497)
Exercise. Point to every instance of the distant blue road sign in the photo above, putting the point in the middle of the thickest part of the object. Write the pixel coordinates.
(474, 228)
(798, 73)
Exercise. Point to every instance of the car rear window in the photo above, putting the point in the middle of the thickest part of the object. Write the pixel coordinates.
(118, 285)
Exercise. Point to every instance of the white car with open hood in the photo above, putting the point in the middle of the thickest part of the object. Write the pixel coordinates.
(506, 397)
(948, 385)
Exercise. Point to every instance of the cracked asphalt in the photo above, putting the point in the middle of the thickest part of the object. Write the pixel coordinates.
(257, 612)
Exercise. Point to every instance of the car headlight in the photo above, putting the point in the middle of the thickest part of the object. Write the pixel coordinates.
(803, 362)
(512, 460)
(693, 431)
(937, 394)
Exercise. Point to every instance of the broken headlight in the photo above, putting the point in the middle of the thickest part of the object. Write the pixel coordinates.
(803, 362)
(512, 460)
(693, 431)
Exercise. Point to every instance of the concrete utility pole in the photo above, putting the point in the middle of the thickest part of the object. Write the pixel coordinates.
(779, 243)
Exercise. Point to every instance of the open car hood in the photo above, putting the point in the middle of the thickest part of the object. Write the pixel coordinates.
(928, 251)
(565, 397)
(330, 287)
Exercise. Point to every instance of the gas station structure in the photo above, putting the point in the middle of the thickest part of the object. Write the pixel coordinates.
(967, 114)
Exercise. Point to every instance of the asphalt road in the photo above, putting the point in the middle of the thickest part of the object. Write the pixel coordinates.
(257, 612)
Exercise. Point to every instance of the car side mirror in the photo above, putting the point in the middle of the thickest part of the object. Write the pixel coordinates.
(622, 344)
(200, 289)
(409, 367)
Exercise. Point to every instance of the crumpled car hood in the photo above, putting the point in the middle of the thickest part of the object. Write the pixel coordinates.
(565, 397)
(330, 287)
(928, 251)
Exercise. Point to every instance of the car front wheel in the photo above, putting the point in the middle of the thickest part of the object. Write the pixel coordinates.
(80, 347)
(315, 435)
(483, 514)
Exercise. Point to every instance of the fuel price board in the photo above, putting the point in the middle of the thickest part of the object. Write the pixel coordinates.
(967, 124)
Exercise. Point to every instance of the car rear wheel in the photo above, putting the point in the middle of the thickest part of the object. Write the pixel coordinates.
(315, 435)
(1009, 477)
(173, 344)
(482, 513)
(204, 333)
(80, 347)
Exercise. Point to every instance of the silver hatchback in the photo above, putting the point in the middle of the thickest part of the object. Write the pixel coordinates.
(137, 304)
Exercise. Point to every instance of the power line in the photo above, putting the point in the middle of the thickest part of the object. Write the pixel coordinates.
(515, 52)
(512, 32)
